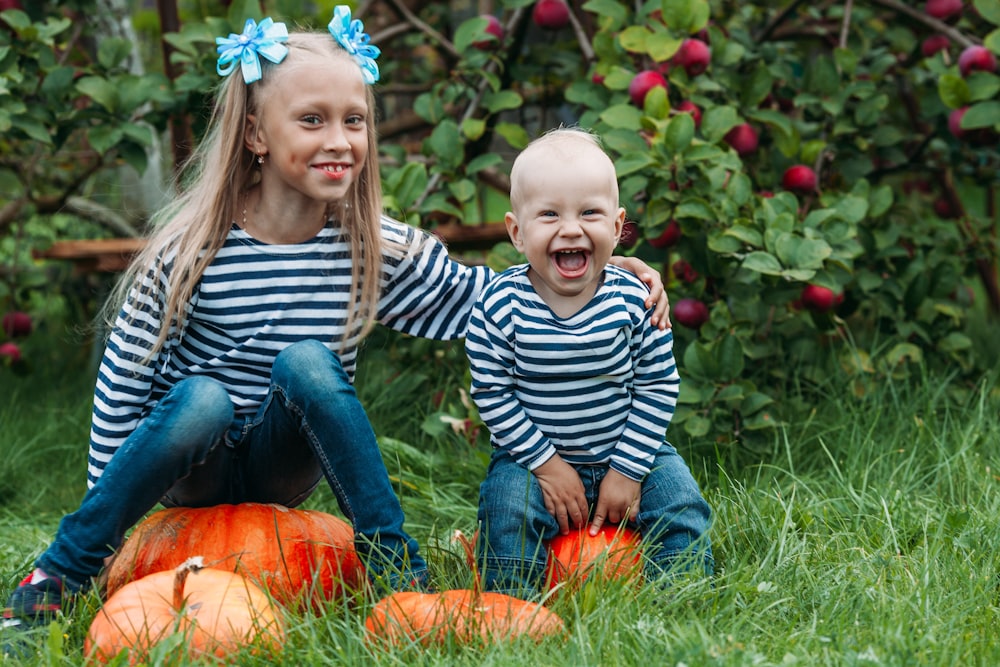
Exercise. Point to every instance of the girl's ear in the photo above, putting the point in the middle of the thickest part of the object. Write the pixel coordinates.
(251, 137)
(514, 230)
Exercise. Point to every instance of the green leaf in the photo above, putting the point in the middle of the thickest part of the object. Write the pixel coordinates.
(762, 262)
(502, 100)
(852, 208)
(631, 163)
(717, 121)
(473, 128)
(757, 87)
(623, 116)
(983, 114)
(31, 127)
(954, 91)
(58, 81)
(103, 138)
(662, 46)
(679, 133)
(471, 31)
(954, 342)
(846, 59)
(880, 201)
(989, 10)
(685, 16)
(729, 358)
(445, 143)
(111, 51)
(484, 161)
(747, 235)
(983, 86)
(407, 183)
(100, 90)
(697, 426)
(463, 189)
(694, 208)
(633, 38)
(514, 134)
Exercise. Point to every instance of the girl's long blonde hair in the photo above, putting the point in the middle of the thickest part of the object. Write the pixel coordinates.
(212, 186)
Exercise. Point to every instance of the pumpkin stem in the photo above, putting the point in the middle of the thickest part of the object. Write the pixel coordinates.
(192, 564)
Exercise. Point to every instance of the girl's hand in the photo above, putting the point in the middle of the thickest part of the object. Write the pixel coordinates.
(657, 296)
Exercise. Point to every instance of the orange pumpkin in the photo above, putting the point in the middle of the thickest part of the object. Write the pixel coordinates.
(217, 612)
(467, 615)
(612, 553)
(303, 557)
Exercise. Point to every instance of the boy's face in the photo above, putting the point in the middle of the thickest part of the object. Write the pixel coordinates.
(566, 221)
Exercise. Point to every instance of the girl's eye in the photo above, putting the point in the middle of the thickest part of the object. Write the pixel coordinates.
(311, 120)
(355, 120)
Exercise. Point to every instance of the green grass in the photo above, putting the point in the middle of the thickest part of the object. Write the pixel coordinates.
(866, 534)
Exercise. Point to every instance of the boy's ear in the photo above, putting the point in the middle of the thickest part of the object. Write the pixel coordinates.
(514, 230)
(619, 223)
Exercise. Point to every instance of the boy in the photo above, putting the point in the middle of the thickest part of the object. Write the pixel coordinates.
(576, 387)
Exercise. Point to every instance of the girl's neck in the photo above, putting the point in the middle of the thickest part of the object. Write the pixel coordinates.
(281, 220)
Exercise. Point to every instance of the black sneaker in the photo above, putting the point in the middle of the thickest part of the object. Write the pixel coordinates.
(30, 606)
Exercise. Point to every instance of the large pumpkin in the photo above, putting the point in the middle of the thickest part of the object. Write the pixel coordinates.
(612, 554)
(467, 615)
(303, 557)
(215, 612)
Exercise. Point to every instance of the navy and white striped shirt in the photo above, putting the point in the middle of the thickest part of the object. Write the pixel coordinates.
(598, 388)
(256, 299)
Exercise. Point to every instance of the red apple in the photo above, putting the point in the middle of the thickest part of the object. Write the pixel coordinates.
(687, 106)
(743, 139)
(10, 4)
(955, 122)
(943, 9)
(629, 235)
(16, 324)
(975, 58)
(551, 14)
(690, 313)
(684, 271)
(818, 298)
(642, 83)
(799, 178)
(10, 351)
(694, 56)
(933, 44)
(944, 209)
(493, 27)
(670, 236)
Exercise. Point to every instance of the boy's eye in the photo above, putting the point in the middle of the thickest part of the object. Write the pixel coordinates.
(590, 211)
(311, 119)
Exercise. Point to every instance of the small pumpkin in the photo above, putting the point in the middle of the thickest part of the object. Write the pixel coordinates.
(467, 615)
(303, 557)
(613, 553)
(215, 611)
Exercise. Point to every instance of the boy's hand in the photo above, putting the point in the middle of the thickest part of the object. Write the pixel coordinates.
(563, 492)
(617, 500)
(657, 296)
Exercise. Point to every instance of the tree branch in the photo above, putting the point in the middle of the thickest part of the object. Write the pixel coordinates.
(930, 21)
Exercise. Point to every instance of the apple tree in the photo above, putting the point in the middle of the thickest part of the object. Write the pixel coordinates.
(816, 181)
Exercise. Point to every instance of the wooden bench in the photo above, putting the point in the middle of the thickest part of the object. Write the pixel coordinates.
(114, 255)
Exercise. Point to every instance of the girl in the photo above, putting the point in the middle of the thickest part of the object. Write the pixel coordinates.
(227, 377)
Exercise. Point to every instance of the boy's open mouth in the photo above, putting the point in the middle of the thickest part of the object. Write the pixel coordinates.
(571, 263)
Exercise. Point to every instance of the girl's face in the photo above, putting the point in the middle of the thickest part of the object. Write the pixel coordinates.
(567, 223)
(312, 128)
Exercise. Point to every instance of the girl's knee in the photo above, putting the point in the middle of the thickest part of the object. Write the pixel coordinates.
(203, 396)
(309, 362)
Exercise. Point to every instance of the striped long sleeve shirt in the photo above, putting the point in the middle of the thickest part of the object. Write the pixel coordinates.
(598, 388)
(256, 299)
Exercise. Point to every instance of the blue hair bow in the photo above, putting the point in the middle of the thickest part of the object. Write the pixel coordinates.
(352, 36)
(245, 49)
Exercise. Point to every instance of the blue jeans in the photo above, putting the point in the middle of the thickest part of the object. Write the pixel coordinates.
(190, 451)
(673, 521)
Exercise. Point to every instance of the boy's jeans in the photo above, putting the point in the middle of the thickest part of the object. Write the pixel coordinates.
(673, 521)
(189, 451)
